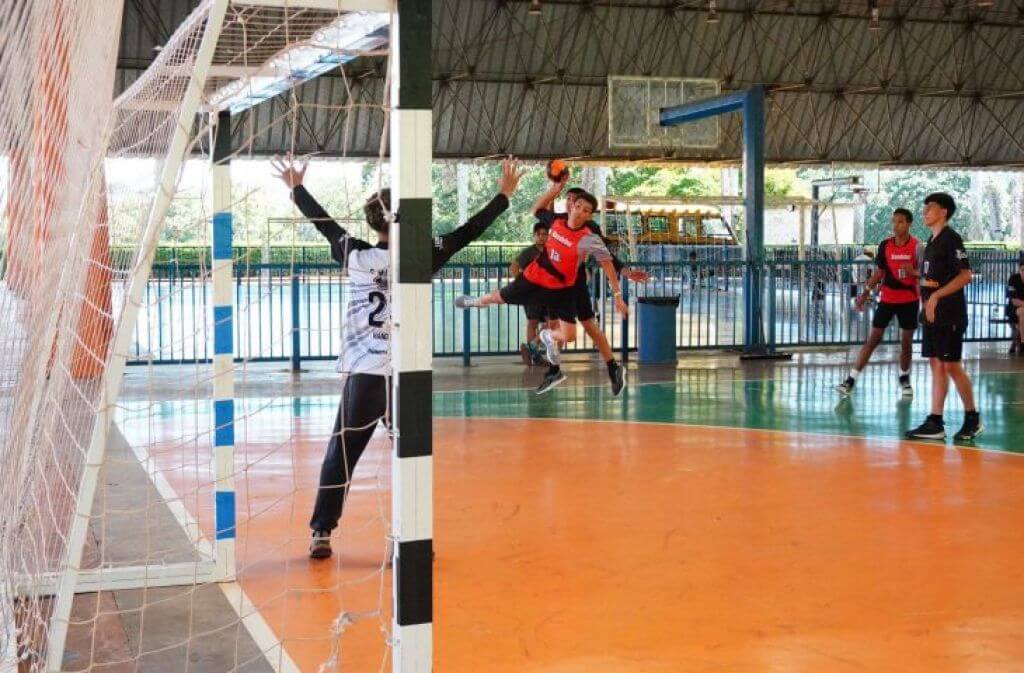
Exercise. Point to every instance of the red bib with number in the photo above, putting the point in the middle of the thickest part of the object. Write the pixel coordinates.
(558, 265)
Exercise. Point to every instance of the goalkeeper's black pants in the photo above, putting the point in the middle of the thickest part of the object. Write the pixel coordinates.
(364, 403)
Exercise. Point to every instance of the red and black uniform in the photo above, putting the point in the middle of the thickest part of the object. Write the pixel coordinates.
(900, 293)
(550, 279)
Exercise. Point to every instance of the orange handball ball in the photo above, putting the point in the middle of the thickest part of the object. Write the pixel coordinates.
(558, 170)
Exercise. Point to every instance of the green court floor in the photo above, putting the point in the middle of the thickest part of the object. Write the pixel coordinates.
(791, 398)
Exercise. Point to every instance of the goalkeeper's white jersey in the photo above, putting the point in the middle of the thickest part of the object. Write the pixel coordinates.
(366, 336)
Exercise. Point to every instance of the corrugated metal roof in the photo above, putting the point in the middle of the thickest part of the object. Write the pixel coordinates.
(933, 85)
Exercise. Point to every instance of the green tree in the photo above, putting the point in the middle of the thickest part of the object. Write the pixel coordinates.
(907, 189)
(653, 181)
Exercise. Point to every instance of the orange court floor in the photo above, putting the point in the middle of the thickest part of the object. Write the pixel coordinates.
(715, 519)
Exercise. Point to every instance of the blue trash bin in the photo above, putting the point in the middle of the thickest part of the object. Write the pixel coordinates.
(657, 324)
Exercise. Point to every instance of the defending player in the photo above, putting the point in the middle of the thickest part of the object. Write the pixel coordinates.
(366, 353)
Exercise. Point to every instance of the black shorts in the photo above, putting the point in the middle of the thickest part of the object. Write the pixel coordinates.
(536, 312)
(945, 342)
(1011, 313)
(584, 304)
(560, 304)
(906, 314)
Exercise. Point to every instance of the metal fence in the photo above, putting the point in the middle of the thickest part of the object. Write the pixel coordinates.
(295, 312)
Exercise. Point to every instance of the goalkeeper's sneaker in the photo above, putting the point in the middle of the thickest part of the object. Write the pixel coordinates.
(846, 387)
(320, 547)
(932, 428)
(971, 428)
(906, 389)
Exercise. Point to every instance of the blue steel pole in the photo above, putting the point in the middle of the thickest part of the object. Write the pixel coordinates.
(625, 322)
(467, 334)
(751, 103)
(771, 309)
(296, 340)
(753, 190)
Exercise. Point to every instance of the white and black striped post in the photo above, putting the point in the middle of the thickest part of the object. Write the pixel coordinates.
(412, 461)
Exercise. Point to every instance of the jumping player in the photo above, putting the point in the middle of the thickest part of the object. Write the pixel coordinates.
(550, 279)
(896, 272)
(584, 304)
(366, 355)
(944, 274)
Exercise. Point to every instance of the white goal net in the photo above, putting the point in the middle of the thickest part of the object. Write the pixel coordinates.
(154, 517)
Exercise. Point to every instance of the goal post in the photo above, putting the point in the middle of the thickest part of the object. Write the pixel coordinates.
(410, 240)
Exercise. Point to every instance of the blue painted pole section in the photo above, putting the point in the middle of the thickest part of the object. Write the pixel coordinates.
(467, 334)
(702, 109)
(223, 351)
(771, 310)
(753, 197)
(624, 341)
(296, 334)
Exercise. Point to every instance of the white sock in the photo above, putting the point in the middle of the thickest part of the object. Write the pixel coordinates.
(905, 373)
(854, 374)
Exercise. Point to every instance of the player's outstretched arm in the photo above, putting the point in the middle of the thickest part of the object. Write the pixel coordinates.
(292, 176)
(613, 280)
(446, 245)
(548, 197)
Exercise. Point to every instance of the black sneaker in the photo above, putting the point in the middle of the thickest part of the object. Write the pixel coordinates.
(906, 389)
(617, 374)
(971, 428)
(320, 547)
(552, 378)
(932, 428)
(846, 387)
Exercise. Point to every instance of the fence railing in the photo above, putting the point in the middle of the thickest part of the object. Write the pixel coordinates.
(295, 312)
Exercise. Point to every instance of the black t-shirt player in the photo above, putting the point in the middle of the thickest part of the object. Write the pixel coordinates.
(944, 258)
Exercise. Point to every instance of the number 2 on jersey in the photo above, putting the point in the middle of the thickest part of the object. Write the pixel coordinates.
(381, 301)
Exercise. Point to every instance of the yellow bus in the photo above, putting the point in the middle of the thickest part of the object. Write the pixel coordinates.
(662, 224)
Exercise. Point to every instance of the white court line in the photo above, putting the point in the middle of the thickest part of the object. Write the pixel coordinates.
(262, 634)
(887, 440)
(759, 379)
